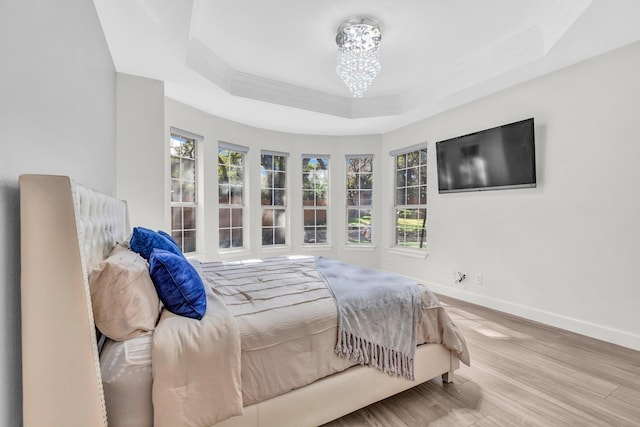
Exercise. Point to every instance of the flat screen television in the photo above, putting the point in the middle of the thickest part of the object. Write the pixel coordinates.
(493, 159)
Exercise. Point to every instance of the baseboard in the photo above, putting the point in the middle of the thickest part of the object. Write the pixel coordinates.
(604, 333)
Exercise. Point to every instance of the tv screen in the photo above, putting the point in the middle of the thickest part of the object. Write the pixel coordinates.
(493, 159)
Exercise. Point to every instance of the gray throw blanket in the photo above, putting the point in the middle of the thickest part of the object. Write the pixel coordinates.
(378, 316)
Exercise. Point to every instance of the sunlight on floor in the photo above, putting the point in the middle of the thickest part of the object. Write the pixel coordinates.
(491, 333)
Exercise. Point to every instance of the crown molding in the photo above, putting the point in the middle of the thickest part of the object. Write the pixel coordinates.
(206, 63)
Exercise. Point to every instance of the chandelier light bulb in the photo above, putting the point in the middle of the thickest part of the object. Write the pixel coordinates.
(358, 42)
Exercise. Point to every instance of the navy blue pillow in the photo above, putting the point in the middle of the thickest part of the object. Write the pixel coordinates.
(178, 284)
(167, 235)
(143, 241)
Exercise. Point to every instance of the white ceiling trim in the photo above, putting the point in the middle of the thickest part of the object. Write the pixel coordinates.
(560, 22)
(206, 63)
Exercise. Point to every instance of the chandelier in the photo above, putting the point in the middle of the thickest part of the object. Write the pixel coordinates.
(358, 54)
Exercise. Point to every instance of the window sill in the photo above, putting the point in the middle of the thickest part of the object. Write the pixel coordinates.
(321, 247)
(275, 249)
(362, 248)
(412, 253)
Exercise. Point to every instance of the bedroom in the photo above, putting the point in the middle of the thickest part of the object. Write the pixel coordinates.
(572, 241)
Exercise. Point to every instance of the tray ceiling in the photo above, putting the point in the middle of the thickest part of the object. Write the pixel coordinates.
(272, 64)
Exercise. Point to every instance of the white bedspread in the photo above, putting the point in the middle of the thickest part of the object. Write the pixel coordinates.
(196, 368)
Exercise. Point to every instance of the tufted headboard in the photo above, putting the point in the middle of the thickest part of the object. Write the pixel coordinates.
(65, 230)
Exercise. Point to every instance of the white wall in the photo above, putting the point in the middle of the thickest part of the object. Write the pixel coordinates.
(141, 153)
(563, 253)
(57, 116)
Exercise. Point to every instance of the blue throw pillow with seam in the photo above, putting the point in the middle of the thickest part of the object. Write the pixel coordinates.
(167, 235)
(178, 284)
(144, 240)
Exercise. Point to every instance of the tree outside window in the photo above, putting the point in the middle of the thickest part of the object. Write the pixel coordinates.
(183, 191)
(273, 179)
(411, 199)
(359, 199)
(315, 187)
(231, 198)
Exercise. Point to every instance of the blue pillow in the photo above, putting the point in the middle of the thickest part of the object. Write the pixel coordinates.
(143, 241)
(167, 235)
(178, 284)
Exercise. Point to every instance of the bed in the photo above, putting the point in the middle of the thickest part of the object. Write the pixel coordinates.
(66, 230)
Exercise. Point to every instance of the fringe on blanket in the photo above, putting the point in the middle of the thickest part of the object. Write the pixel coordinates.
(384, 359)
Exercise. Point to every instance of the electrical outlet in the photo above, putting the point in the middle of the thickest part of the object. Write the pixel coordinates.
(478, 279)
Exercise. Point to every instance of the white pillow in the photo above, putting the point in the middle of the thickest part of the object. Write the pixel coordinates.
(125, 302)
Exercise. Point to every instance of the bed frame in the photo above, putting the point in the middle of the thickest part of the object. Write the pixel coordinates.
(66, 229)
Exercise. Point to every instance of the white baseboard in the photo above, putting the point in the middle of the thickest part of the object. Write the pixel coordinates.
(604, 333)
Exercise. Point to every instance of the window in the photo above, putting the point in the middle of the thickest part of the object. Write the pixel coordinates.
(273, 197)
(359, 199)
(231, 195)
(182, 148)
(411, 198)
(315, 200)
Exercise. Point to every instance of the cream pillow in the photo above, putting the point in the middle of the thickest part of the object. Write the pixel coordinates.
(125, 302)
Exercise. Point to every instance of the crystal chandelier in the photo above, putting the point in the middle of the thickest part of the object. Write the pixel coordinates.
(358, 54)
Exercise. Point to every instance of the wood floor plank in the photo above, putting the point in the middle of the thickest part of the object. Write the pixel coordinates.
(445, 409)
(523, 373)
(556, 403)
(567, 373)
(372, 416)
(524, 401)
(494, 402)
(626, 397)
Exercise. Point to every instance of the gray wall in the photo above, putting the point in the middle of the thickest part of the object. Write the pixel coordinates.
(57, 116)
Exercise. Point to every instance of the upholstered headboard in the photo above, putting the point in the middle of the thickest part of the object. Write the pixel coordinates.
(66, 229)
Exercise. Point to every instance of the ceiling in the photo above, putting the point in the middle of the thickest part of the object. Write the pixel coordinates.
(271, 64)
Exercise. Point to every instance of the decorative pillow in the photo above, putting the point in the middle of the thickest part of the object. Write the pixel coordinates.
(144, 241)
(167, 235)
(125, 303)
(178, 284)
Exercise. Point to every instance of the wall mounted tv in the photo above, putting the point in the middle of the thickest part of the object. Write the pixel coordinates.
(493, 159)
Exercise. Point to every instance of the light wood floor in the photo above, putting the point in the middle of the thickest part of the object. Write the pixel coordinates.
(522, 373)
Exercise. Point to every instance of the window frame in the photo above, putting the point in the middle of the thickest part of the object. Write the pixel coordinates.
(283, 190)
(315, 207)
(178, 234)
(233, 208)
(420, 244)
(358, 205)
